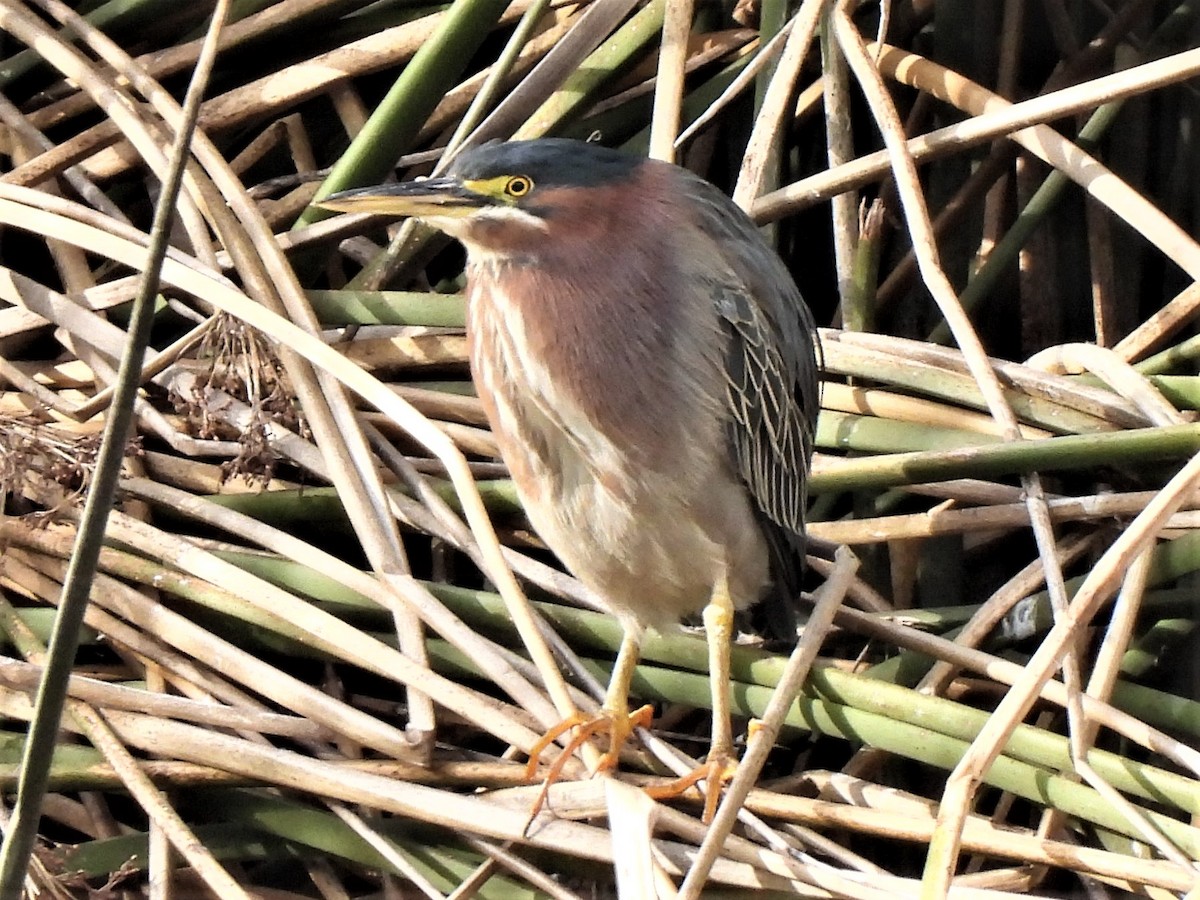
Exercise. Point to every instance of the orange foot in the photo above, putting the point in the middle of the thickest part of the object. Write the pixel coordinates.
(618, 724)
(715, 771)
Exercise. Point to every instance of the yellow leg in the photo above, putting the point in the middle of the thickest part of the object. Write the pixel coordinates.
(718, 627)
(720, 763)
(616, 698)
(614, 717)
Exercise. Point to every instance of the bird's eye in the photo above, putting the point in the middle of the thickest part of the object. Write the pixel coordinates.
(518, 186)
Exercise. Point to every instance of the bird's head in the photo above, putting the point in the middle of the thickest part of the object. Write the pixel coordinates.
(508, 197)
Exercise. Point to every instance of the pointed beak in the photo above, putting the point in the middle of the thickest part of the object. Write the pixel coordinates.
(428, 197)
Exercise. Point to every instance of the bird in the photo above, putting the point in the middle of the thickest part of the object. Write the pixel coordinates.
(650, 372)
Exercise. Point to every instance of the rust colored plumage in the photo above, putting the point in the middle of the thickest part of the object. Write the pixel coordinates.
(649, 370)
(586, 398)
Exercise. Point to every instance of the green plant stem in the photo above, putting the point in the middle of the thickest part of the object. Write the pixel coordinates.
(874, 434)
(1133, 447)
(325, 506)
(859, 312)
(349, 307)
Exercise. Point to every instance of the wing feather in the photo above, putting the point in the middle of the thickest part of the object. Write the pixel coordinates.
(771, 366)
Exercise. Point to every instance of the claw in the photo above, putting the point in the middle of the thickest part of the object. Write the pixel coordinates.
(618, 725)
(715, 771)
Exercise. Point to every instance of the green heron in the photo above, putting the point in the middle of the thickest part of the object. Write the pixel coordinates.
(649, 370)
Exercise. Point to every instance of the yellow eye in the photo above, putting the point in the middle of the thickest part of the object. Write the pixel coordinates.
(518, 186)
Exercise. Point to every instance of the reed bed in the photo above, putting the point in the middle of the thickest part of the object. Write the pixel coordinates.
(316, 639)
